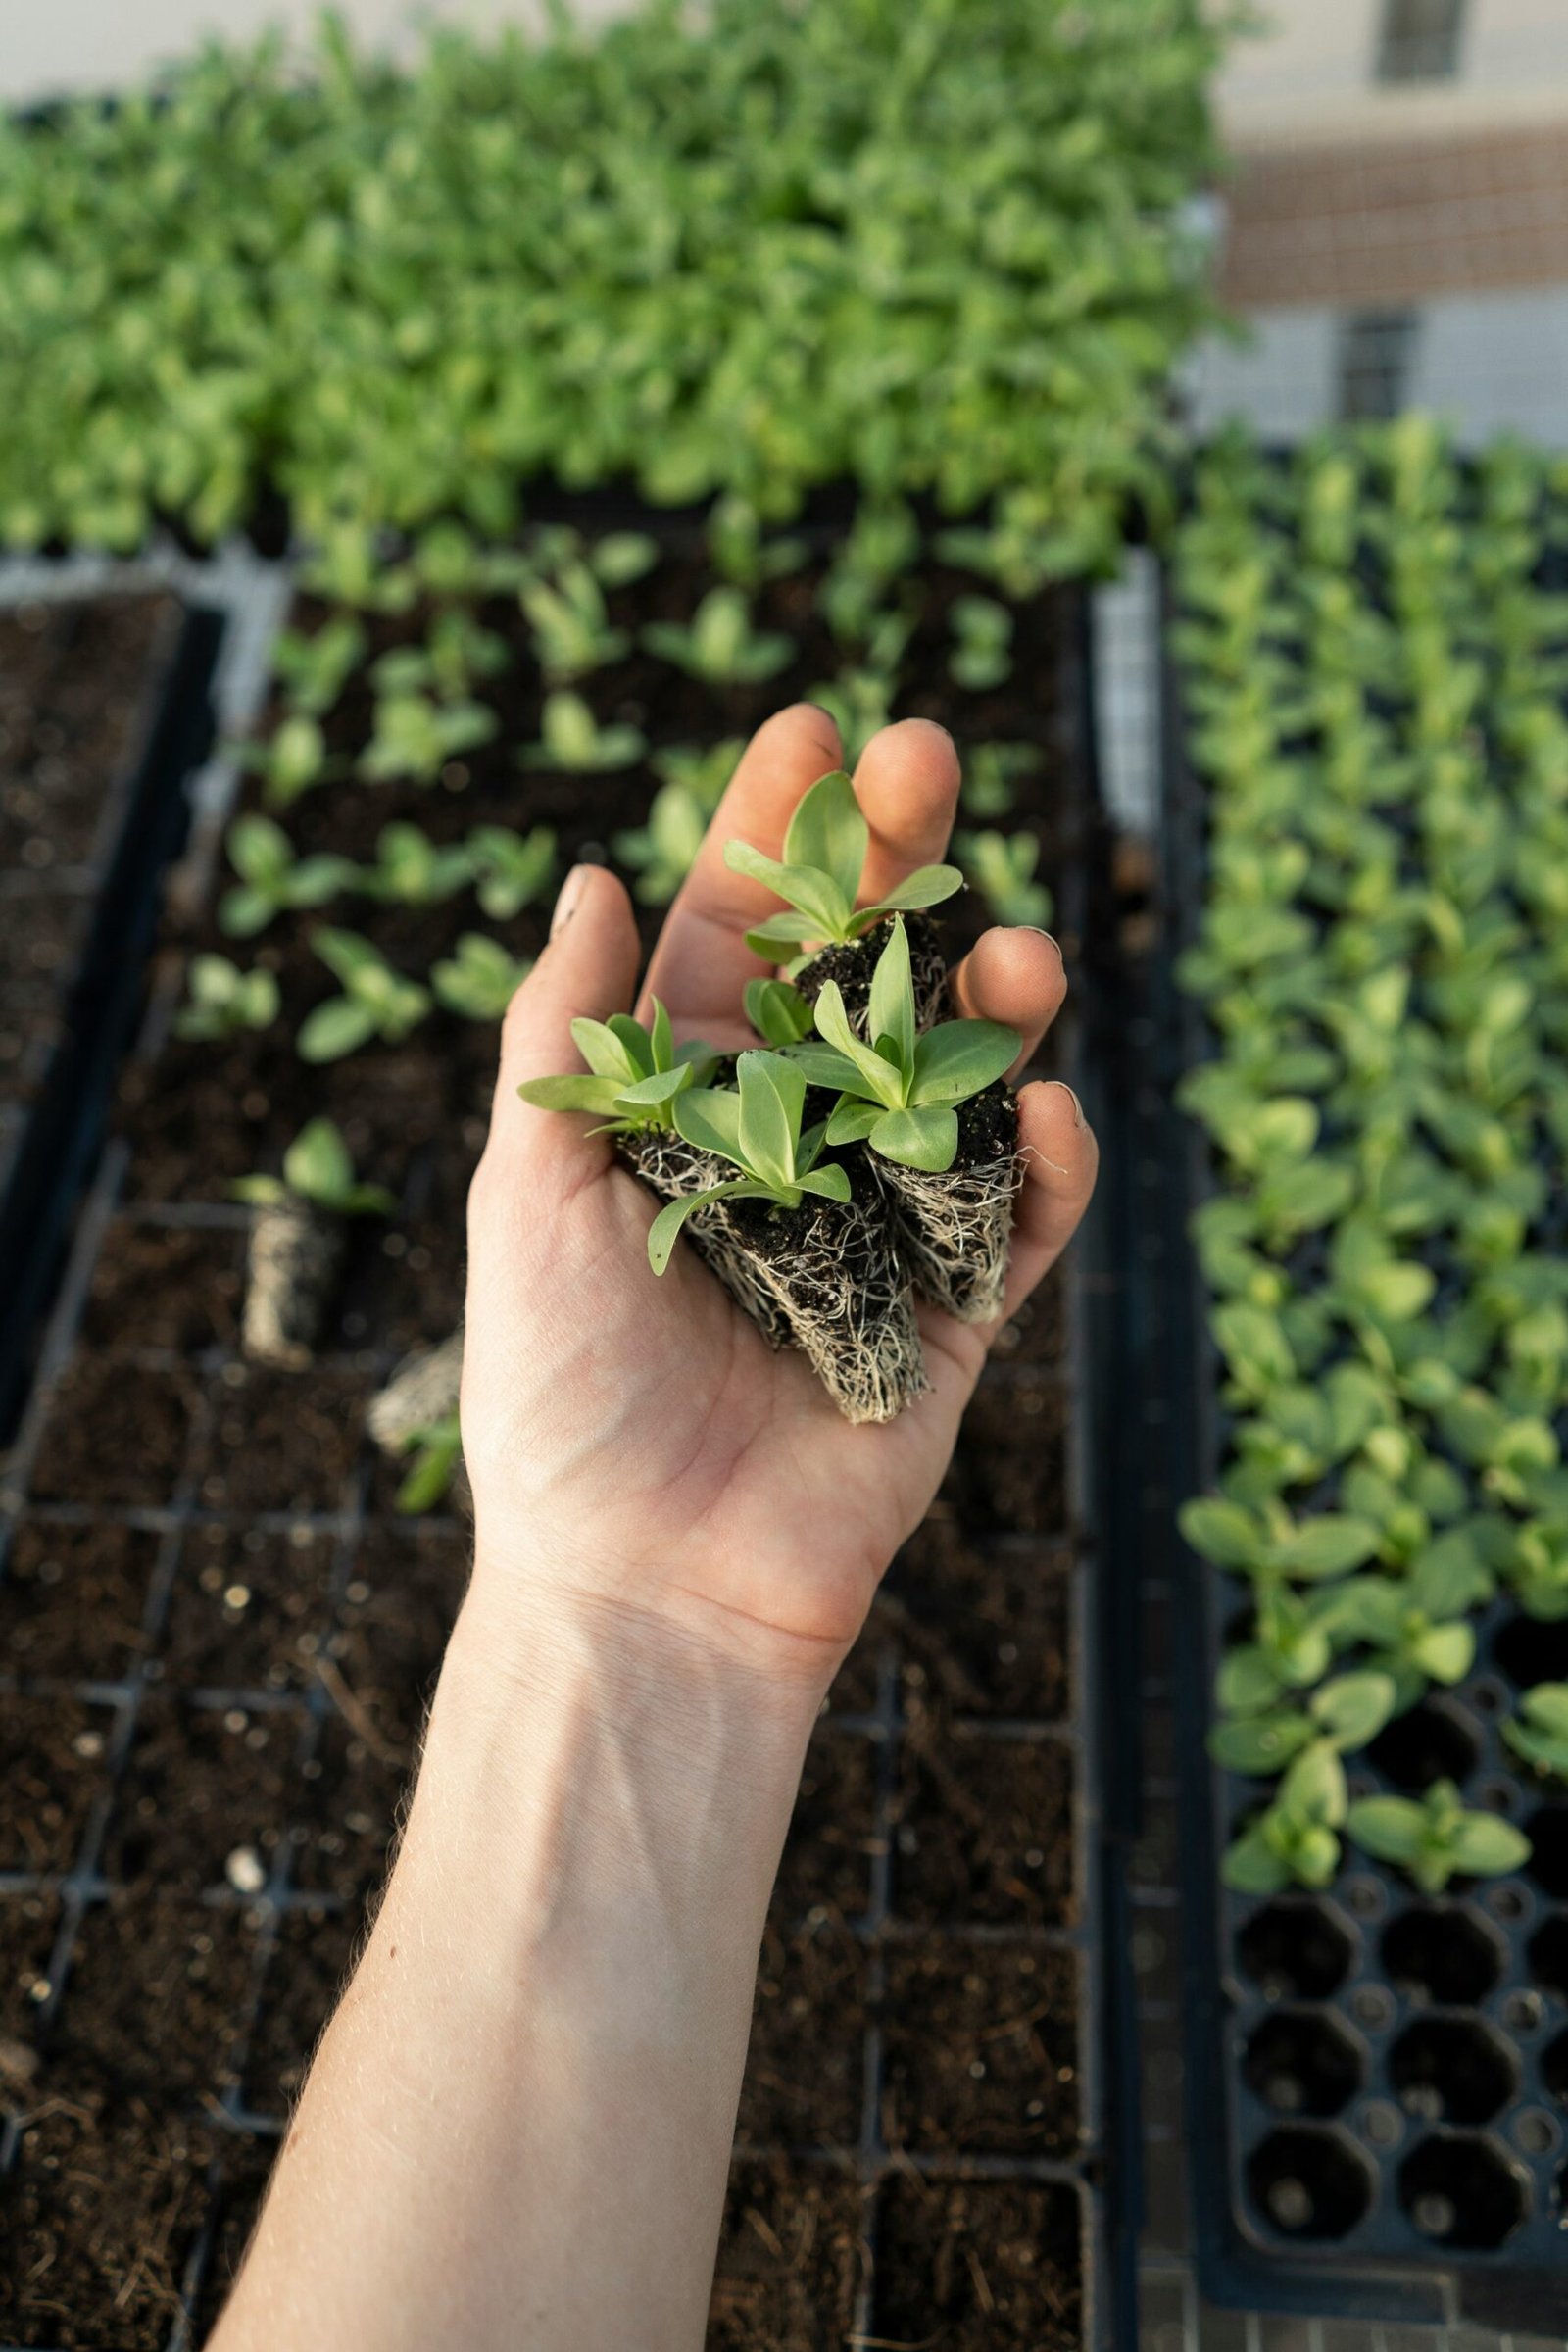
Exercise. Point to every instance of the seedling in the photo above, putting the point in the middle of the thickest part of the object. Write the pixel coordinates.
(661, 852)
(571, 739)
(415, 738)
(720, 646)
(635, 1074)
(824, 853)
(779, 1012)
(318, 1168)
(437, 1451)
(570, 624)
(757, 1129)
(292, 759)
(271, 880)
(1347, 1711)
(514, 868)
(224, 1000)
(1538, 1730)
(411, 871)
(991, 770)
(1002, 866)
(982, 653)
(900, 1096)
(1296, 1839)
(480, 980)
(456, 652)
(376, 1001)
(1435, 1839)
(314, 670)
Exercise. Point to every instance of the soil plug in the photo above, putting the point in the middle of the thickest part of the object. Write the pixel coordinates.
(824, 854)
(941, 1128)
(416, 1414)
(297, 1242)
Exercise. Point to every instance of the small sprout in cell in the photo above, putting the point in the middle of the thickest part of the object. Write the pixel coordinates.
(757, 1129)
(224, 1000)
(292, 761)
(318, 1168)
(410, 871)
(982, 652)
(1002, 867)
(454, 655)
(901, 1094)
(272, 881)
(660, 853)
(570, 624)
(992, 772)
(634, 1074)
(414, 737)
(572, 740)
(437, 1451)
(1347, 1711)
(376, 1001)
(719, 646)
(314, 670)
(824, 852)
(1296, 1840)
(480, 980)
(1435, 1839)
(512, 868)
(1538, 1730)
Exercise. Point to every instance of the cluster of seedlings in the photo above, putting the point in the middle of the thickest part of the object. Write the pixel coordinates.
(865, 1151)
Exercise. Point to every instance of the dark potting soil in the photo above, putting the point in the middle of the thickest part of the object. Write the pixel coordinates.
(981, 2049)
(988, 1128)
(249, 1609)
(1010, 1470)
(985, 1829)
(119, 1432)
(852, 965)
(246, 2167)
(979, 2266)
(166, 1286)
(72, 1600)
(804, 2068)
(352, 1792)
(52, 1769)
(827, 1862)
(69, 679)
(792, 2255)
(280, 1440)
(156, 1994)
(307, 1969)
(985, 1622)
(201, 1784)
(28, 1927)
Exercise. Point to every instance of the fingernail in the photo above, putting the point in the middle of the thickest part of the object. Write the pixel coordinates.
(1077, 1106)
(567, 903)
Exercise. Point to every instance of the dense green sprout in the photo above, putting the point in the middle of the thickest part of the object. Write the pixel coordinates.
(934, 245)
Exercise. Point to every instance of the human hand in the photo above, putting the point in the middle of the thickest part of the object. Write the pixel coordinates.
(633, 1443)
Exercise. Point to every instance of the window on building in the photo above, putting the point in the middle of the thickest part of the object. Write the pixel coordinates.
(1420, 41)
(1377, 351)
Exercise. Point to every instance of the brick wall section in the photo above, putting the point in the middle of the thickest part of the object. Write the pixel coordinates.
(1398, 224)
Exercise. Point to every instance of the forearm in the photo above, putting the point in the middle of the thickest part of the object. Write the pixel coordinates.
(517, 2130)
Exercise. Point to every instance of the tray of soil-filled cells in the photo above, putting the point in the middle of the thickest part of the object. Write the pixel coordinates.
(103, 714)
(1376, 1944)
(217, 1632)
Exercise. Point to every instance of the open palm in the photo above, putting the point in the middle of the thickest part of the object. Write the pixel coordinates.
(635, 1440)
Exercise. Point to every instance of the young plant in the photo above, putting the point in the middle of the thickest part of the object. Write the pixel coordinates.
(437, 1451)
(376, 1001)
(292, 759)
(480, 980)
(1347, 1711)
(982, 652)
(660, 853)
(1294, 1840)
(318, 1168)
(720, 646)
(1435, 1839)
(1538, 1728)
(572, 740)
(456, 652)
(634, 1074)
(512, 868)
(991, 771)
(414, 737)
(570, 624)
(296, 1242)
(755, 1129)
(224, 1000)
(779, 1012)
(272, 881)
(819, 874)
(314, 670)
(1002, 866)
(901, 1094)
(411, 871)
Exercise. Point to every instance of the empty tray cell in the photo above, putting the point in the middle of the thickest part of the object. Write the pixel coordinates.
(1549, 1956)
(805, 2065)
(1530, 1650)
(791, 2259)
(308, 1970)
(157, 1990)
(1452, 2070)
(280, 1440)
(241, 2185)
(1297, 1950)
(1443, 1952)
(1548, 1833)
(73, 1599)
(1432, 1741)
(394, 1622)
(985, 1830)
(833, 1835)
(106, 2198)
(166, 1286)
(205, 1796)
(249, 1609)
(116, 1433)
(981, 2050)
(52, 1766)
(28, 1927)
(979, 2266)
(1309, 2183)
(1010, 1470)
(1305, 2062)
(984, 1623)
(1461, 2190)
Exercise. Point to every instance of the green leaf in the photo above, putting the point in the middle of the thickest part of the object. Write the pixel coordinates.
(1251, 1866)
(649, 1093)
(962, 1058)
(606, 1052)
(1447, 1653)
(772, 1093)
(831, 1183)
(853, 1122)
(825, 1066)
(1389, 1826)
(874, 1075)
(781, 931)
(317, 1165)
(1488, 1847)
(665, 1230)
(1259, 1743)
(890, 1019)
(1313, 1790)
(918, 1139)
(927, 886)
(596, 1095)
(829, 832)
(635, 1043)
(1222, 1532)
(1247, 1683)
(711, 1118)
(814, 894)
(1352, 1708)
(338, 1027)
(662, 1038)
(778, 1011)
(1329, 1545)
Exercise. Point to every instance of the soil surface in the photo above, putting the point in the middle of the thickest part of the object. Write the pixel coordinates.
(214, 1545)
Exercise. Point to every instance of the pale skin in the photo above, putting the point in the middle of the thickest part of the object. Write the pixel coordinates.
(517, 2131)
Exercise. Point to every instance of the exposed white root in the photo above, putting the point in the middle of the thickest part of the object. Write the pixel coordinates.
(422, 1391)
(291, 1271)
(953, 1231)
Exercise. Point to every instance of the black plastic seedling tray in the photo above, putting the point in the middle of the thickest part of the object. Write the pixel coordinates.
(110, 902)
(1377, 2081)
